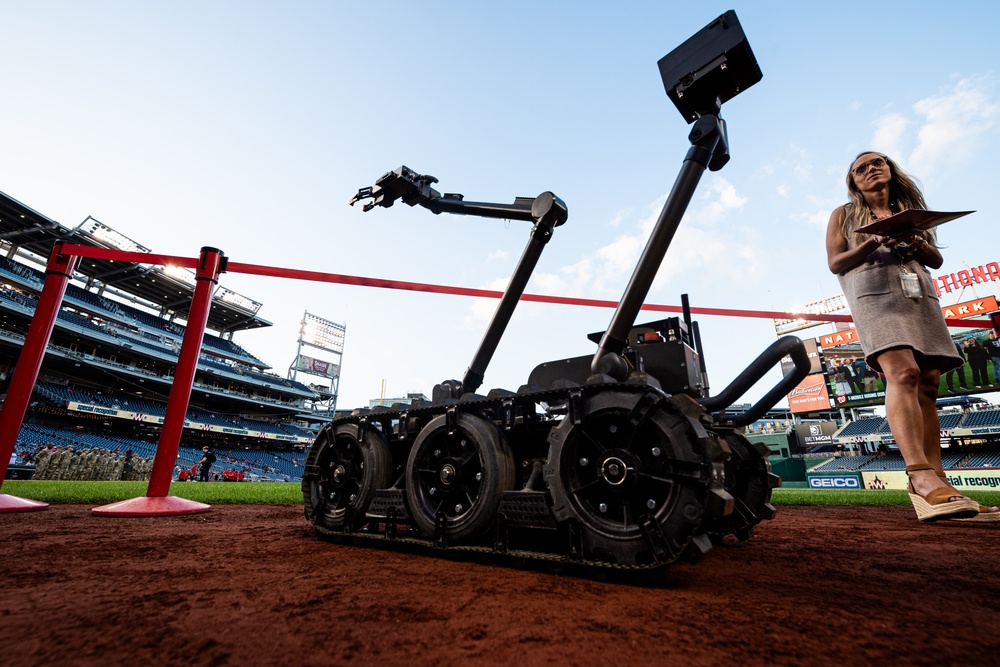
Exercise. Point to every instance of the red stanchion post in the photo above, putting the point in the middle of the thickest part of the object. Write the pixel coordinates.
(156, 502)
(57, 275)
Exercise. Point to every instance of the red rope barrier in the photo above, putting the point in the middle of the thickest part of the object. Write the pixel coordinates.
(319, 276)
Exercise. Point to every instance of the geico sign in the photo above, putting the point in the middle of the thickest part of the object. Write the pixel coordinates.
(834, 483)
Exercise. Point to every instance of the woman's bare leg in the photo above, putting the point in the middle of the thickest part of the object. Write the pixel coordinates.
(930, 381)
(927, 394)
(906, 396)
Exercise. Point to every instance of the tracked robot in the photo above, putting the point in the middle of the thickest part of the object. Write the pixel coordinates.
(617, 461)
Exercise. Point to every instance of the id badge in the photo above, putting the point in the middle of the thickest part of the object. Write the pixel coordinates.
(911, 285)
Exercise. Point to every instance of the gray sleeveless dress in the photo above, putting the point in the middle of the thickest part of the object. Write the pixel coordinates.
(886, 319)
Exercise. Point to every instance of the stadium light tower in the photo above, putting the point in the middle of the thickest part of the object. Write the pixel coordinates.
(825, 306)
(323, 335)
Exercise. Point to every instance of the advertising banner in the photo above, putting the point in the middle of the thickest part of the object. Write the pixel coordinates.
(838, 338)
(974, 480)
(810, 395)
(214, 428)
(974, 308)
(812, 350)
(842, 481)
(853, 383)
(850, 379)
(961, 480)
(317, 366)
(113, 412)
(815, 434)
(885, 479)
(972, 275)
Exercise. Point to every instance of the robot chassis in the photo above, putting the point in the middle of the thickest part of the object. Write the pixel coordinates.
(616, 462)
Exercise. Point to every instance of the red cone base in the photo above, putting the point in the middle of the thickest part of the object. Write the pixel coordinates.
(15, 504)
(146, 506)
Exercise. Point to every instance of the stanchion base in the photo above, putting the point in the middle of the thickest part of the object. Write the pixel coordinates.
(146, 506)
(15, 504)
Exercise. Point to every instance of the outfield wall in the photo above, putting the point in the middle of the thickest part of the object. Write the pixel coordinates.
(844, 480)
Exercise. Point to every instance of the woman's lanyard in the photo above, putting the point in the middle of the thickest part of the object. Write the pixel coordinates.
(909, 281)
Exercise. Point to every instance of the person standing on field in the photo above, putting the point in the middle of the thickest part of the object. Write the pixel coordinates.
(207, 459)
(898, 318)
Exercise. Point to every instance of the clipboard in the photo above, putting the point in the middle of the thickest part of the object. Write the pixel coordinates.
(911, 220)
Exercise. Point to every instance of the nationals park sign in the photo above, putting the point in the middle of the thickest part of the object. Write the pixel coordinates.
(959, 311)
(943, 284)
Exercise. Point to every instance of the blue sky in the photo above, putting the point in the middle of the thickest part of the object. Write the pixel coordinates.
(247, 126)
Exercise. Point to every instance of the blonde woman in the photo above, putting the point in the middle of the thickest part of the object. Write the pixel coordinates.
(900, 325)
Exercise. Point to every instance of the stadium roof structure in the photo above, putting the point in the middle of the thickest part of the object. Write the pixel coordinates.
(169, 289)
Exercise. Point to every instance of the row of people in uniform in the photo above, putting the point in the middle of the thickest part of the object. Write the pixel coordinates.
(64, 462)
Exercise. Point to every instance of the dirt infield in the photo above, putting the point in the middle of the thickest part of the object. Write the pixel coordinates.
(251, 585)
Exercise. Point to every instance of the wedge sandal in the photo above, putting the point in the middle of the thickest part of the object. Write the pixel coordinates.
(941, 503)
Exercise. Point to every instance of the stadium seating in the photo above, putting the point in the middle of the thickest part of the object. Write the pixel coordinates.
(862, 427)
(117, 311)
(982, 460)
(231, 349)
(952, 459)
(21, 271)
(62, 395)
(89, 328)
(950, 419)
(846, 463)
(888, 461)
(23, 300)
(982, 418)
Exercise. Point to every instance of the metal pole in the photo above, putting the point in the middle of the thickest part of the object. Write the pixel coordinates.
(607, 359)
(157, 502)
(58, 272)
(550, 212)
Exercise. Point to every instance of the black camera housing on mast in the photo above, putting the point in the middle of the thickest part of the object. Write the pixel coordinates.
(714, 65)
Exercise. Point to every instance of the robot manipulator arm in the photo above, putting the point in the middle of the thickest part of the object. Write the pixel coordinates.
(402, 183)
(414, 189)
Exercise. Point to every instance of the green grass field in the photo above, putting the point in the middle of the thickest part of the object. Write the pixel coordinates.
(861, 497)
(290, 493)
(101, 493)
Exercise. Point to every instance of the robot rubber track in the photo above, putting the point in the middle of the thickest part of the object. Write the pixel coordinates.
(652, 491)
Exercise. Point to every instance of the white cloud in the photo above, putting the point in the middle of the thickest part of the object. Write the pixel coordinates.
(956, 122)
(723, 199)
(482, 308)
(549, 283)
(572, 280)
(818, 217)
(694, 249)
(783, 191)
(794, 160)
(622, 252)
(602, 273)
(619, 217)
(704, 239)
(697, 243)
(890, 129)
(854, 106)
(817, 210)
(498, 255)
(802, 164)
